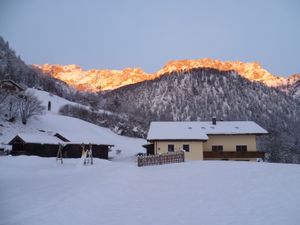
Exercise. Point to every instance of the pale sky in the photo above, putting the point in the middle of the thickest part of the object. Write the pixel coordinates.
(147, 34)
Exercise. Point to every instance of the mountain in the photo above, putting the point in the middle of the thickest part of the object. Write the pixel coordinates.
(292, 85)
(98, 80)
(198, 94)
(95, 80)
(252, 71)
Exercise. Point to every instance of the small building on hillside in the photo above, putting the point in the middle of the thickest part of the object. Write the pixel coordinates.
(11, 86)
(47, 146)
(208, 140)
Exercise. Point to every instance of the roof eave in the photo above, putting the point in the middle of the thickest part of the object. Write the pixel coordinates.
(150, 140)
(238, 133)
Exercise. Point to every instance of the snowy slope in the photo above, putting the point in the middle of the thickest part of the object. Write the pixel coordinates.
(72, 128)
(37, 191)
(56, 101)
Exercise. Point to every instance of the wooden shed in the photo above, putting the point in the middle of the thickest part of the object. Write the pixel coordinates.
(48, 145)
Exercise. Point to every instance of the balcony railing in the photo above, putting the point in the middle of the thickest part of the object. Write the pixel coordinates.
(233, 154)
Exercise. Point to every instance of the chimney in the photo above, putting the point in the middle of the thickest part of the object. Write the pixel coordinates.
(214, 120)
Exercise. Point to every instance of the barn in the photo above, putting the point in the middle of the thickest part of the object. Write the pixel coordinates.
(46, 145)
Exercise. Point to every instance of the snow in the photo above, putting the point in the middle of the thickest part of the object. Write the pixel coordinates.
(39, 138)
(38, 191)
(56, 101)
(170, 131)
(199, 129)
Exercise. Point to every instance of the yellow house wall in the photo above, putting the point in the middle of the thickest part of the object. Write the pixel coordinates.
(195, 153)
(229, 142)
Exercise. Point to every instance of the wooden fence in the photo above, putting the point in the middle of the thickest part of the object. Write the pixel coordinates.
(165, 158)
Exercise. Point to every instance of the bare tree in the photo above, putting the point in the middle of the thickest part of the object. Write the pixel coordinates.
(29, 106)
(9, 106)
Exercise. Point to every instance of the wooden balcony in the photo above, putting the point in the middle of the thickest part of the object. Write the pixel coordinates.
(233, 154)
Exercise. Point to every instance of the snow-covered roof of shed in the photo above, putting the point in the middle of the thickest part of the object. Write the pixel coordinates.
(76, 131)
(185, 130)
(51, 139)
(39, 138)
(86, 137)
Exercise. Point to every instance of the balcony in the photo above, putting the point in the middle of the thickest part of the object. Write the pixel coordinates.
(233, 154)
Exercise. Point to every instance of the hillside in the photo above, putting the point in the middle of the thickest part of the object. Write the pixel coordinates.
(292, 85)
(51, 122)
(98, 80)
(14, 68)
(201, 93)
(36, 191)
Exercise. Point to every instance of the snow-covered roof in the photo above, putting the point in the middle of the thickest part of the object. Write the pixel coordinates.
(175, 131)
(198, 130)
(82, 137)
(39, 138)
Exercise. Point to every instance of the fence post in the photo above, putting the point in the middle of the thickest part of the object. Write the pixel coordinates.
(139, 161)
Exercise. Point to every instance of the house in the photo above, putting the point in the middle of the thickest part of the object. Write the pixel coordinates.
(208, 140)
(11, 86)
(46, 145)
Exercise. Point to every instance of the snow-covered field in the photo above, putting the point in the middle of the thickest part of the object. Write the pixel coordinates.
(35, 191)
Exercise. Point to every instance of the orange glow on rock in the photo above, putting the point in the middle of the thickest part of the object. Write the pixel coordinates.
(97, 80)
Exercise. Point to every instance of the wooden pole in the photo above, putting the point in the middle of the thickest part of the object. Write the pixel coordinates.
(91, 153)
(83, 154)
(59, 156)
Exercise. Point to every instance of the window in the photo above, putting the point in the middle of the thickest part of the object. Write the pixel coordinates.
(241, 148)
(217, 148)
(186, 148)
(170, 148)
